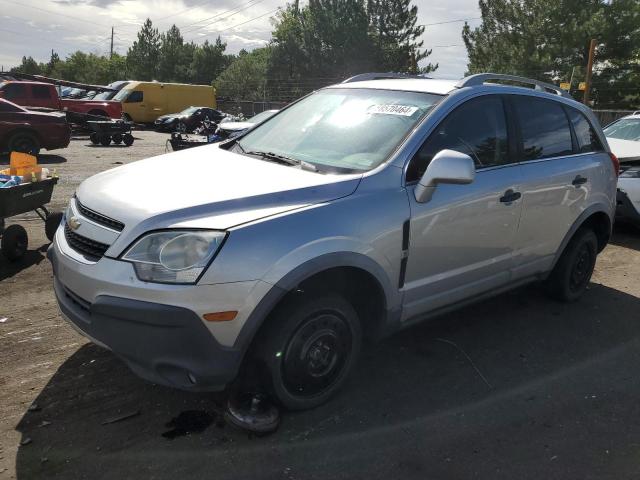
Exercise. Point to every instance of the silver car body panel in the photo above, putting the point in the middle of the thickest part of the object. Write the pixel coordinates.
(285, 223)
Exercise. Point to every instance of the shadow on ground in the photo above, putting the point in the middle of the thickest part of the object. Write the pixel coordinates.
(32, 257)
(516, 387)
(626, 235)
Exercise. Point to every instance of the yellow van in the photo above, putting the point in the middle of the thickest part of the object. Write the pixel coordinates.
(143, 102)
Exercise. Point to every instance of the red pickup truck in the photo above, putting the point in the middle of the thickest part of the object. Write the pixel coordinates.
(45, 95)
(26, 131)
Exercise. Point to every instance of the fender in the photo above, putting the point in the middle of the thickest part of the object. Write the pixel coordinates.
(296, 276)
(595, 208)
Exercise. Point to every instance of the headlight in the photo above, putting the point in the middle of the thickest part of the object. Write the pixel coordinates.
(176, 256)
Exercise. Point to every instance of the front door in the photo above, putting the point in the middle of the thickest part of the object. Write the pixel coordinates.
(461, 240)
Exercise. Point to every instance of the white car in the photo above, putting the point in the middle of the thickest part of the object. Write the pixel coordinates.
(623, 137)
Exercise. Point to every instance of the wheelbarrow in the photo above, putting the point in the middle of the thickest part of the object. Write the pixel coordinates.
(24, 198)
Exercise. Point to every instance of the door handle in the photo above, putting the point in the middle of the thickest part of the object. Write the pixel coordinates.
(510, 196)
(579, 180)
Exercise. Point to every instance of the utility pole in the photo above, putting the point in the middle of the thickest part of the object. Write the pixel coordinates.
(587, 90)
(111, 51)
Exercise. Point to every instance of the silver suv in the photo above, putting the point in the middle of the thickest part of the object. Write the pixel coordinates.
(356, 211)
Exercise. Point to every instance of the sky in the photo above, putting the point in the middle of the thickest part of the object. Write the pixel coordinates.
(34, 27)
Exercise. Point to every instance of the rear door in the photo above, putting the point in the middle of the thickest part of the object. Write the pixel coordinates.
(461, 241)
(561, 158)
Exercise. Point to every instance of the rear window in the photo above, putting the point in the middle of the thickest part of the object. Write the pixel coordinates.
(40, 91)
(136, 96)
(545, 128)
(14, 90)
(128, 96)
(586, 136)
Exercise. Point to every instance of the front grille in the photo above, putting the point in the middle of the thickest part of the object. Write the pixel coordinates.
(86, 246)
(99, 218)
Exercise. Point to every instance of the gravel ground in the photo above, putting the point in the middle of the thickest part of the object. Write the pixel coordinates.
(515, 387)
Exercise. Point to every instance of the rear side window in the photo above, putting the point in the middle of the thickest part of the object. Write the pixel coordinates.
(40, 91)
(544, 126)
(14, 90)
(136, 96)
(586, 136)
(477, 128)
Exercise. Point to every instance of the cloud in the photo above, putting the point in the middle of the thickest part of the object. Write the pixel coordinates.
(69, 25)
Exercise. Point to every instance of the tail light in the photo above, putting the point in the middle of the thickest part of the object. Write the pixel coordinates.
(616, 163)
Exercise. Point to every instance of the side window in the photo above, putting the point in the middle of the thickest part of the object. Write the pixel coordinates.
(135, 96)
(6, 107)
(545, 128)
(14, 90)
(586, 136)
(40, 91)
(477, 128)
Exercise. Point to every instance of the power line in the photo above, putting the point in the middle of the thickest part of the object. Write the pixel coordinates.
(239, 24)
(250, 4)
(450, 21)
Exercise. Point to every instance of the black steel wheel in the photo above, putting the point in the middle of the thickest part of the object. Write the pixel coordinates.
(571, 275)
(51, 224)
(310, 346)
(14, 242)
(127, 139)
(24, 142)
(94, 138)
(117, 138)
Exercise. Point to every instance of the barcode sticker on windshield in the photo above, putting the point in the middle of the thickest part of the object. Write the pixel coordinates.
(404, 110)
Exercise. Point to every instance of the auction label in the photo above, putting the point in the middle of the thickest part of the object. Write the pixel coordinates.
(404, 110)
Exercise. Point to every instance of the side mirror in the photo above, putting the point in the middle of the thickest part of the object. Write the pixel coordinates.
(447, 166)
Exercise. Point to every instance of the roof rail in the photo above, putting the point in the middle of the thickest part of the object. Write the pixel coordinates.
(380, 76)
(482, 78)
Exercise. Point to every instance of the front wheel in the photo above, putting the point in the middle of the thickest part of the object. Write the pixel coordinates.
(309, 348)
(24, 142)
(571, 275)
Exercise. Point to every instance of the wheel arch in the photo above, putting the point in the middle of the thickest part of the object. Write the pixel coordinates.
(358, 272)
(596, 218)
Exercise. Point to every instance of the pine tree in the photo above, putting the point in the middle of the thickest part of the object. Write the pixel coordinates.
(143, 56)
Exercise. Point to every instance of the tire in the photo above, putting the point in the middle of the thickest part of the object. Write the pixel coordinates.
(105, 140)
(24, 142)
(14, 242)
(94, 138)
(117, 138)
(51, 224)
(571, 275)
(127, 138)
(309, 347)
(181, 127)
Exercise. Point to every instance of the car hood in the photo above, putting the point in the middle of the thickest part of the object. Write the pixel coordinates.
(625, 150)
(206, 187)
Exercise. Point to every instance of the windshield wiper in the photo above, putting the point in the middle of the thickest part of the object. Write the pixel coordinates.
(284, 160)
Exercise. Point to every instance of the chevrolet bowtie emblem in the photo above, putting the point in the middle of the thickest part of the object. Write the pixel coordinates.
(74, 223)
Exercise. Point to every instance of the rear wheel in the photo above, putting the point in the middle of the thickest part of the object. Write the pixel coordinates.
(14, 242)
(105, 140)
(127, 139)
(309, 348)
(24, 142)
(181, 127)
(571, 275)
(95, 139)
(117, 138)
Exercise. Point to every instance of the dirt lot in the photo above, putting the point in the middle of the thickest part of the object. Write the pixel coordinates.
(515, 387)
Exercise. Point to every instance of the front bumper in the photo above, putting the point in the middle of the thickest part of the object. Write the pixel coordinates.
(157, 330)
(625, 210)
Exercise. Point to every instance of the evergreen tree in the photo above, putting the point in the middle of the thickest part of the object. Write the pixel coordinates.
(144, 54)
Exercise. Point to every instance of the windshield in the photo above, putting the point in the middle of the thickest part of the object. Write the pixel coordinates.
(261, 117)
(104, 96)
(347, 128)
(122, 95)
(625, 129)
(189, 111)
